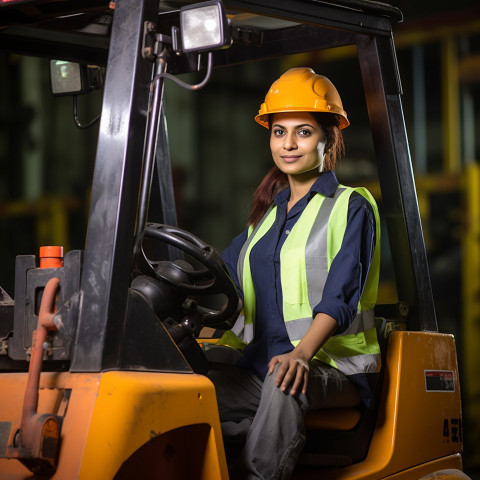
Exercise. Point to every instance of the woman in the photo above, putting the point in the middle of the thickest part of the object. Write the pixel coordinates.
(307, 270)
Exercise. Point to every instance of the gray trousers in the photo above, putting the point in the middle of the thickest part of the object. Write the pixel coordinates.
(262, 426)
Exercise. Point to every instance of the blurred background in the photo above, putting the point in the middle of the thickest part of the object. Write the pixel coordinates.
(219, 154)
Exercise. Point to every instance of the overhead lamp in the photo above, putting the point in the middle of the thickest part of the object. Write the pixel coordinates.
(203, 26)
(70, 78)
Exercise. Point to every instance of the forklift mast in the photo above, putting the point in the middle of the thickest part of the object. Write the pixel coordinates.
(118, 169)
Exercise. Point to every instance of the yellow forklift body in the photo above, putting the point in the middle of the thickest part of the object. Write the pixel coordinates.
(109, 416)
(419, 425)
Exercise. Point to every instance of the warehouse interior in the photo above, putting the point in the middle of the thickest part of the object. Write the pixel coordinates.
(47, 162)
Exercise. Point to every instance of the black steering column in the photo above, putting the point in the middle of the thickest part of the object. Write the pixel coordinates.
(176, 289)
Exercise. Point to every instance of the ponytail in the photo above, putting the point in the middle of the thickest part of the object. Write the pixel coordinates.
(273, 182)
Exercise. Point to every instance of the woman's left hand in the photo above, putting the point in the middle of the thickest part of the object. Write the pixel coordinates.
(292, 371)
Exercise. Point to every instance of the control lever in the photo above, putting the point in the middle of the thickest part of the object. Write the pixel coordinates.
(36, 441)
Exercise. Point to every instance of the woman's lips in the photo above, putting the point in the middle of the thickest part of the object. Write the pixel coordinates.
(290, 158)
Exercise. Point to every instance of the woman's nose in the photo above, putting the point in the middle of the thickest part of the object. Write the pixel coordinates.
(289, 142)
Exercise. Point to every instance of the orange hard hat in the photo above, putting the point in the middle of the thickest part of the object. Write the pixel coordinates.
(302, 90)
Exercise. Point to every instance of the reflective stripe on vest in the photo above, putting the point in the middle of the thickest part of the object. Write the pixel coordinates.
(305, 260)
(244, 328)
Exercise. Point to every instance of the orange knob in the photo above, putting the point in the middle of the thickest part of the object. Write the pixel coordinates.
(51, 257)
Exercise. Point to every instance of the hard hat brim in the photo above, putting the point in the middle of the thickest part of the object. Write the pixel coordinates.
(300, 89)
(262, 117)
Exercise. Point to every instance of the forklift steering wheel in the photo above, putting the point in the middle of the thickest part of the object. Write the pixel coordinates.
(212, 280)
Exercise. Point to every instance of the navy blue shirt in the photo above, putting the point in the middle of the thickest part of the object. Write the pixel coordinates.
(344, 284)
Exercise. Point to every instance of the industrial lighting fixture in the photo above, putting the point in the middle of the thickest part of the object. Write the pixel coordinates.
(66, 77)
(203, 27)
(70, 78)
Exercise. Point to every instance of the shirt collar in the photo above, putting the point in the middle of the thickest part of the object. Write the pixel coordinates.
(325, 184)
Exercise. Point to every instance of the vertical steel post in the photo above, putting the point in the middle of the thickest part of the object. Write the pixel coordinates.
(115, 190)
(382, 90)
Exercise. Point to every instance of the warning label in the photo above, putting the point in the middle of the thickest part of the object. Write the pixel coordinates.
(439, 381)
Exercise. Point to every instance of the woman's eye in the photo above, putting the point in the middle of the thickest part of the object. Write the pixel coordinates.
(277, 132)
(304, 132)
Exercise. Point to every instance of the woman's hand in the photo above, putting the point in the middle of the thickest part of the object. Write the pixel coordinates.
(292, 371)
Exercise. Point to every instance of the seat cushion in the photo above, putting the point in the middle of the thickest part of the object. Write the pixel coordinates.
(342, 419)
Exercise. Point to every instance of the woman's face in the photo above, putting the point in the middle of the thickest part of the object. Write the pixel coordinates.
(297, 143)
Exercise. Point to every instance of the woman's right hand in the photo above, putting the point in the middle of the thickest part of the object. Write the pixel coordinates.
(292, 372)
(294, 368)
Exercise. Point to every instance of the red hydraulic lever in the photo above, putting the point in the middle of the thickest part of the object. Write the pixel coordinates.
(37, 440)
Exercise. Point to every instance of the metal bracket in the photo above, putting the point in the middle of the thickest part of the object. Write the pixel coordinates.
(153, 42)
(149, 41)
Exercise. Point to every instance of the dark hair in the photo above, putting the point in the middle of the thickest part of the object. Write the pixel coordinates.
(275, 180)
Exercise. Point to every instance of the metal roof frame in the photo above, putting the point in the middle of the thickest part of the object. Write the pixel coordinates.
(103, 310)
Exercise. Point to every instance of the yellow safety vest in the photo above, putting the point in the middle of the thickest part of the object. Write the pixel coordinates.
(305, 260)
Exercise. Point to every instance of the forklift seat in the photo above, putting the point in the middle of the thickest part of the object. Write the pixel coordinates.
(342, 419)
(341, 436)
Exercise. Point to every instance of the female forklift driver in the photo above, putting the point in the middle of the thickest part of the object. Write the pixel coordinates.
(307, 268)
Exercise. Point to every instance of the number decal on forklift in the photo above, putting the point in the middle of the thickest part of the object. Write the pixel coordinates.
(452, 430)
(439, 381)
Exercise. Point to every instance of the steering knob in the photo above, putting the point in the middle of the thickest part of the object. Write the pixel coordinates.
(188, 327)
(191, 324)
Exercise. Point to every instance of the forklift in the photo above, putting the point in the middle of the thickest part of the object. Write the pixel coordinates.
(102, 365)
